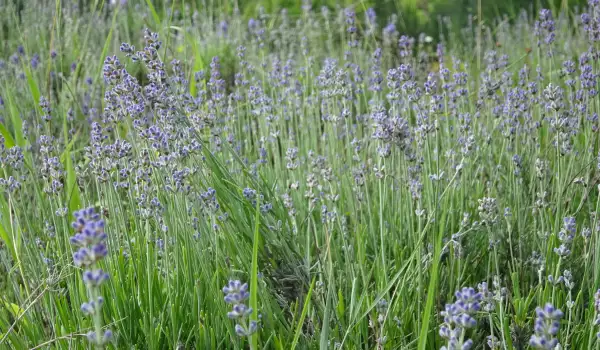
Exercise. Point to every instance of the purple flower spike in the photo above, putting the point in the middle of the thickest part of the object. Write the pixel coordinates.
(90, 239)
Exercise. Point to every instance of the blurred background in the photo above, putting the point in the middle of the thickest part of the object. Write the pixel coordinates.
(411, 17)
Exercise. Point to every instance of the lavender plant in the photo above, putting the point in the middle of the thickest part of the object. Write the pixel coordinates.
(356, 175)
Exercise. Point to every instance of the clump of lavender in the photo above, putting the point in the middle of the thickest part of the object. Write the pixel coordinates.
(90, 238)
(458, 317)
(546, 327)
(236, 294)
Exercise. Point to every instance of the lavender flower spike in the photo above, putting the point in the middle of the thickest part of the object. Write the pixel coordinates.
(458, 317)
(546, 327)
(236, 294)
(89, 237)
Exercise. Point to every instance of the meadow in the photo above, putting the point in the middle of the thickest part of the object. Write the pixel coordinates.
(190, 179)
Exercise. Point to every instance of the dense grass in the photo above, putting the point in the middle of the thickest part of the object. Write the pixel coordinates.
(355, 179)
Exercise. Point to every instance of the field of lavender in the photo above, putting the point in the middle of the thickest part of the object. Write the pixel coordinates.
(197, 180)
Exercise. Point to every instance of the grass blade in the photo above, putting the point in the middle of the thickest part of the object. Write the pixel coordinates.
(17, 123)
(431, 292)
(153, 12)
(303, 315)
(254, 276)
(8, 139)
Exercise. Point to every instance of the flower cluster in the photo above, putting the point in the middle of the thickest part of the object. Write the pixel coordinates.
(546, 327)
(90, 239)
(236, 294)
(458, 317)
(546, 26)
(488, 210)
(566, 236)
(45, 106)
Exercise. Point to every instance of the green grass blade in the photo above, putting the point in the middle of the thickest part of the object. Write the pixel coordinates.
(7, 240)
(33, 87)
(8, 139)
(13, 242)
(17, 123)
(303, 315)
(155, 15)
(72, 188)
(431, 292)
(254, 276)
(198, 64)
(71, 180)
(324, 339)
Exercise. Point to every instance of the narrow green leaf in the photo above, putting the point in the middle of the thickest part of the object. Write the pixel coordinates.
(15, 118)
(303, 315)
(33, 87)
(431, 293)
(8, 139)
(198, 63)
(7, 240)
(5, 230)
(324, 340)
(507, 338)
(154, 13)
(254, 276)
(72, 188)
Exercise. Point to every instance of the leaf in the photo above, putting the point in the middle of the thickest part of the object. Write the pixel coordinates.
(155, 15)
(7, 240)
(5, 230)
(33, 88)
(254, 276)
(14, 309)
(431, 292)
(198, 63)
(341, 306)
(323, 342)
(303, 315)
(8, 139)
(72, 188)
(17, 123)
(17, 312)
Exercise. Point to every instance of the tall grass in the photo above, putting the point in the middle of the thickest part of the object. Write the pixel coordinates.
(357, 180)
